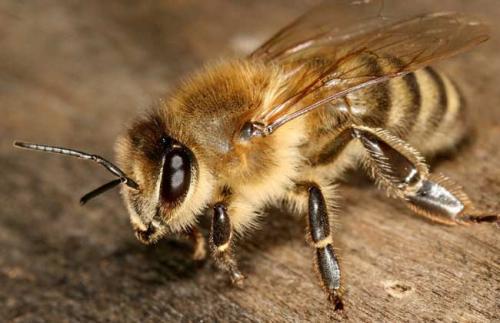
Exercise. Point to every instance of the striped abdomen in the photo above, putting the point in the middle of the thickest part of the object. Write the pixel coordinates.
(424, 108)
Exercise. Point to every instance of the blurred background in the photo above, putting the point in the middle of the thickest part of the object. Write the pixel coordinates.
(74, 73)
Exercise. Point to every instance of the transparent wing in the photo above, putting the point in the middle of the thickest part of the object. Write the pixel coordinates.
(330, 19)
(329, 65)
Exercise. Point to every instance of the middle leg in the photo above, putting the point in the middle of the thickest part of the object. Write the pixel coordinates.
(320, 238)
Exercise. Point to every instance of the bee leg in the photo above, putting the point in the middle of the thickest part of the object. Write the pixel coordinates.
(399, 168)
(220, 242)
(321, 239)
(194, 234)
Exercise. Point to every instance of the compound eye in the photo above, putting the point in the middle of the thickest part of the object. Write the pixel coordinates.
(176, 176)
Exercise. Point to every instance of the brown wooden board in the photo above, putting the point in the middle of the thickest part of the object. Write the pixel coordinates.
(73, 73)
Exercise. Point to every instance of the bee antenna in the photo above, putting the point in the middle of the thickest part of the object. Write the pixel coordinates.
(98, 191)
(79, 154)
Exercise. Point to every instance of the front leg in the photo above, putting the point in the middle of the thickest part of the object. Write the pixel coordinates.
(220, 243)
(194, 234)
(402, 171)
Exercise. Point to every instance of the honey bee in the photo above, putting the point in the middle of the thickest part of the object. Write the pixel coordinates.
(284, 124)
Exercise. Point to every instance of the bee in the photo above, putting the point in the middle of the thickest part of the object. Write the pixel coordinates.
(325, 94)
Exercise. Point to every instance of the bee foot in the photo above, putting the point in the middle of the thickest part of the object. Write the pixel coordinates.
(336, 301)
(199, 253)
(237, 278)
(482, 218)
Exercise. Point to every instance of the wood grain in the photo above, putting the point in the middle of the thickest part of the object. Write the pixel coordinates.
(74, 73)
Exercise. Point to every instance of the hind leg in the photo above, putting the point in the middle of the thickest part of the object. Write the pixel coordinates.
(401, 170)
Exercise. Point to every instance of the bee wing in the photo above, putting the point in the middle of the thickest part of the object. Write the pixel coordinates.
(333, 64)
(332, 18)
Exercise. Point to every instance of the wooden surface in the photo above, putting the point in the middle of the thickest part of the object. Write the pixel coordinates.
(74, 73)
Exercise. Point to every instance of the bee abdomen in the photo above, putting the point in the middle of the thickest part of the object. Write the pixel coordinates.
(423, 107)
(440, 122)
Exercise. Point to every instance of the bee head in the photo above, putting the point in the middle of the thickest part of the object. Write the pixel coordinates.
(166, 171)
(160, 176)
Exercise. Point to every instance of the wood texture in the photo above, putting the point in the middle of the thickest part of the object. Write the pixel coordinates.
(74, 73)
